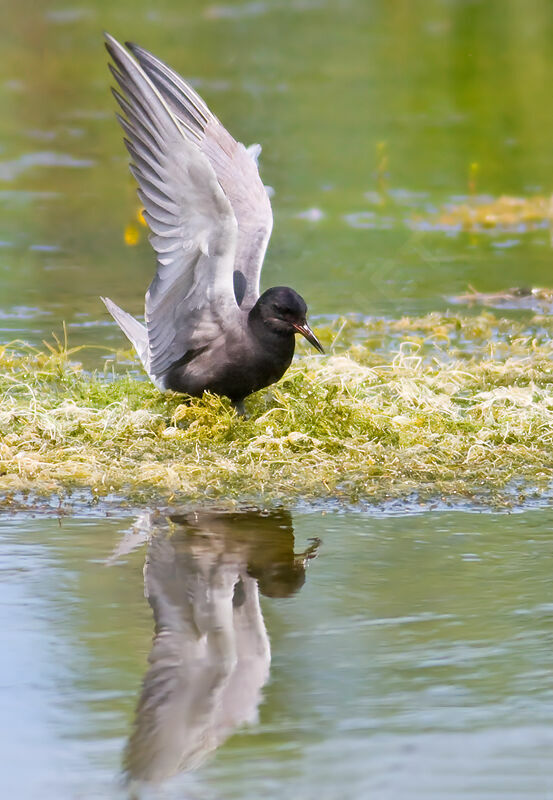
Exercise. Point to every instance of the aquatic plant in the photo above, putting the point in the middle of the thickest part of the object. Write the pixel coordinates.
(505, 213)
(442, 406)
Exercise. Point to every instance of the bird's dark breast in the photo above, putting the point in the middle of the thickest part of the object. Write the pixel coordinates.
(235, 374)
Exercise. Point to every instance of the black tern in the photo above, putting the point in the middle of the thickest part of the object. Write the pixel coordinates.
(210, 219)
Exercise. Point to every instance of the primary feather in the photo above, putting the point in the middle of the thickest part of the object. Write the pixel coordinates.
(235, 167)
(191, 298)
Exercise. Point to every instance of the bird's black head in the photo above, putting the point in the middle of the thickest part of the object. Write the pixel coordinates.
(284, 311)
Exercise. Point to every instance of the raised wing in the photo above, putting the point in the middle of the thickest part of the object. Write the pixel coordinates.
(234, 165)
(191, 298)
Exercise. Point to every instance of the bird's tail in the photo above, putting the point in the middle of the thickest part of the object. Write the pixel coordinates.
(135, 332)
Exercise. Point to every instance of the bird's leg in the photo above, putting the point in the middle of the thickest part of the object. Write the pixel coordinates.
(310, 552)
(240, 409)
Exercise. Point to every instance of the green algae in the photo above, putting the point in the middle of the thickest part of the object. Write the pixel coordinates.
(442, 406)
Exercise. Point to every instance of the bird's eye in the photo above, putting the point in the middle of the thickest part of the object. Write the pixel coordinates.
(280, 309)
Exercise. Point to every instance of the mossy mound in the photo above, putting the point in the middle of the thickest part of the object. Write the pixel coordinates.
(446, 406)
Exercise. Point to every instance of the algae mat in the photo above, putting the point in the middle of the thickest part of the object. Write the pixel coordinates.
(442, 406)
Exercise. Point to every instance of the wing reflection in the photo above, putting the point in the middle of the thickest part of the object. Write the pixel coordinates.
(210, 655)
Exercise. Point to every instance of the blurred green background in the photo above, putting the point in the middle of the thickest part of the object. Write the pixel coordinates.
(369, 112)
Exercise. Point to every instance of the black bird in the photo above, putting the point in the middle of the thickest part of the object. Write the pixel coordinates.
(210, 218)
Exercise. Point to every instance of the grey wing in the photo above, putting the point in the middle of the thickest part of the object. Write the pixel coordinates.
(234, 165)
(191, 298)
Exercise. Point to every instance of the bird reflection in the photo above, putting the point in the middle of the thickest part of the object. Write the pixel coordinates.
(210, 655)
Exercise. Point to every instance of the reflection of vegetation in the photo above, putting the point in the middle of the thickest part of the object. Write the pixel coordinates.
(464, 407)
(382, 174)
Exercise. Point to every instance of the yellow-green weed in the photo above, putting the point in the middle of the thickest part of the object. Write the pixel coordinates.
(446, 406)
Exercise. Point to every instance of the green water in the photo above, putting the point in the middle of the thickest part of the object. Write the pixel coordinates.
(321, 85)
(415, 661)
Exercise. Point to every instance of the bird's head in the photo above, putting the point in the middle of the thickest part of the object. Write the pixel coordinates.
(284, 311)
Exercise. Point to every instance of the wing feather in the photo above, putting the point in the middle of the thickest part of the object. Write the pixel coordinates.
(234, 165)
(193, 226)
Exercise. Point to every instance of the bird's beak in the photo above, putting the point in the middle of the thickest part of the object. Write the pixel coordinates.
(306, 331)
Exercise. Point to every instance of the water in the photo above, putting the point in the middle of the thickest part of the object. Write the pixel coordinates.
(415, 661)
(324, 86)
(410, 656)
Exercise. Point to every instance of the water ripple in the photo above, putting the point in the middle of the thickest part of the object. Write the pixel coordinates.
(10, 170)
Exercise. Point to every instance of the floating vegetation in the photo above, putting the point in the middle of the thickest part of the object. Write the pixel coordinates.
(482, 213)
(472, 213)
(518, 297)
(442, 406)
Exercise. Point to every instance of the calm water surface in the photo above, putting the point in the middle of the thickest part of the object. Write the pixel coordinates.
(369, 112)
(409, 656)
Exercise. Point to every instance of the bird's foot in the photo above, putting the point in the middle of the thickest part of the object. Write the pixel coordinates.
(310, 552)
